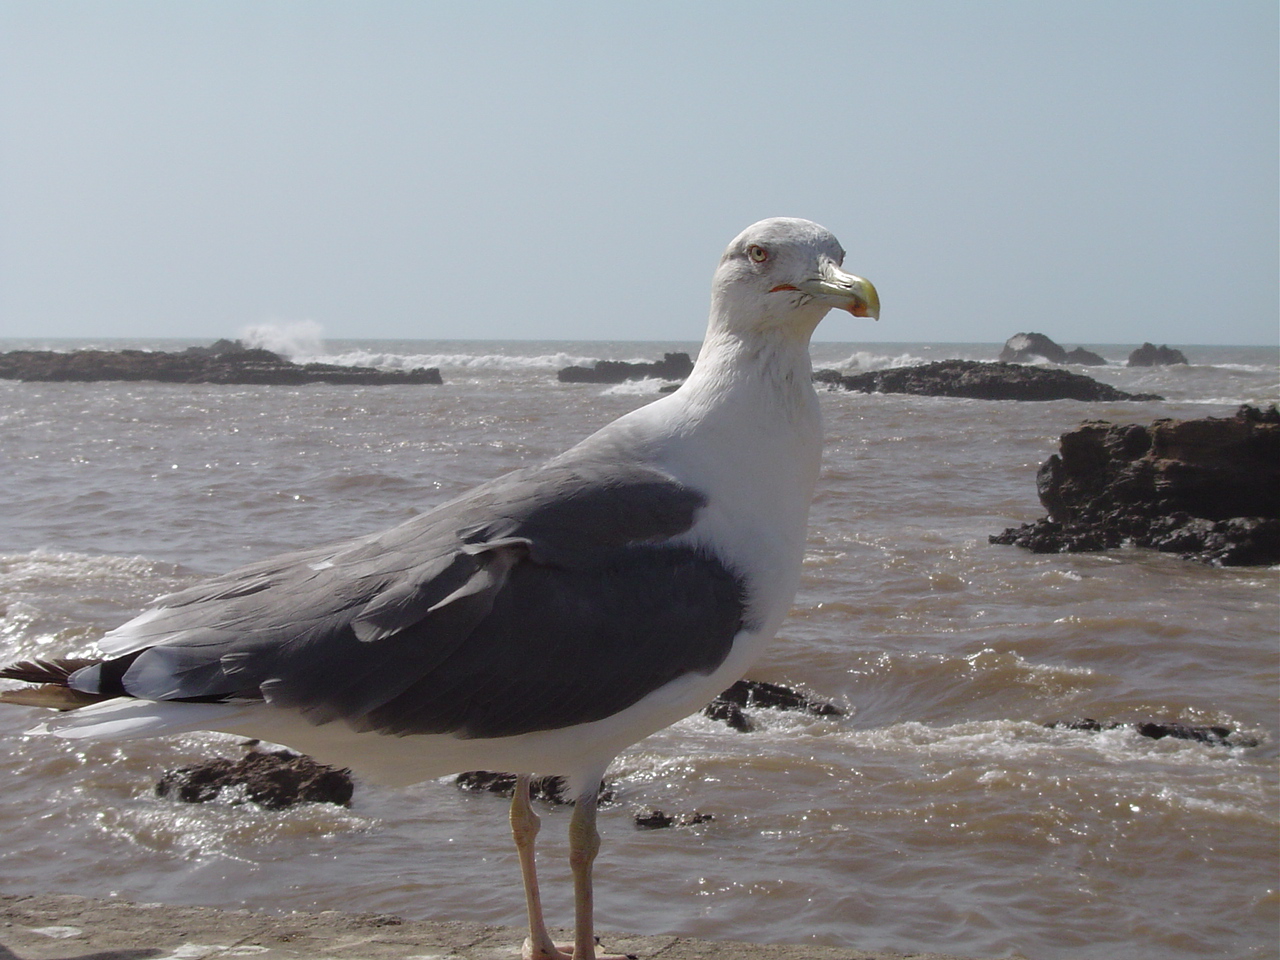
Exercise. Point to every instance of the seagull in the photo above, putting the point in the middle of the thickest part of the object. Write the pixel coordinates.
(540, 623)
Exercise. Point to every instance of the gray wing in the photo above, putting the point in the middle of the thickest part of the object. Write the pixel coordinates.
(545, 598)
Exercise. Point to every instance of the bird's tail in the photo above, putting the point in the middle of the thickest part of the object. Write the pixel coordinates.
(50, 688)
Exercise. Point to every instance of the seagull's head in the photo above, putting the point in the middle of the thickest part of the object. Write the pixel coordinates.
(785, 274)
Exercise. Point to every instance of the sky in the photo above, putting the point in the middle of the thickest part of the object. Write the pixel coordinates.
(1102, 172)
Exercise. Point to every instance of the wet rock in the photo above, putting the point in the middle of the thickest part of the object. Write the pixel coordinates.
(272, 779)
(1028, 347)
(672, 366)
(226, 362)
(729, 706)
(1085, 358)
(730, 713)
(1216, 736)
(1149, 355)
(1206, 489)
(977, 380)
(546, 789)
(655, 819)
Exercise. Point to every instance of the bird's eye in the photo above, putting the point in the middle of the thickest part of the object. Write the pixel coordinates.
(757, 253)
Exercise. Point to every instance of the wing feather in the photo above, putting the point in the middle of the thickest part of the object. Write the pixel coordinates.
(482, 617)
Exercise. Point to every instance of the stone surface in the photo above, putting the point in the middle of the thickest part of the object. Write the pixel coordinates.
(1149, 355)
(1028, 347)
(672, 366)
(1214, 736)
(59, 927)
(272, 779)
(1207, 489)
(547, 789)
(1086, 358)
(226, 362)
(655, 819)
(730, 705)
(976, 380)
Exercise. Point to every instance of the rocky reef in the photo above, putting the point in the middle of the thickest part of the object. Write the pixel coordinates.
(226, 361)
(1207, 489)
(271, 779)
(978, 380)
(1149, 355)
(1029, 347)
(672, 366)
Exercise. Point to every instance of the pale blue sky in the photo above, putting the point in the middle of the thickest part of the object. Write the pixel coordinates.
(1103, 172)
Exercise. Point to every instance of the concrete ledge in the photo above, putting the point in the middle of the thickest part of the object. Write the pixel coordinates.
(54, 927)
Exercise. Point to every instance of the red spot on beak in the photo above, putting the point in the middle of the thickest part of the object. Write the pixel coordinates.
(784, 286)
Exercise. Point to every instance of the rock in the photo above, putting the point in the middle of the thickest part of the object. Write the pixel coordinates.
(730, 713)
(1029, 347)
(226, 361)
(270, 779)
(1085, 358)
(1025, 347)
(978, 380)
(547, 789)
(672, 366)
(728, 705)
(1207, 489)
(1215, 736)
(1149, 355)
(655, 819)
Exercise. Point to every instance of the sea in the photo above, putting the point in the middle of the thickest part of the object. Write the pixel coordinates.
(940, 812)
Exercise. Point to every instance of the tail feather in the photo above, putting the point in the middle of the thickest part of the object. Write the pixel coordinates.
(45, 671)
(52, 690)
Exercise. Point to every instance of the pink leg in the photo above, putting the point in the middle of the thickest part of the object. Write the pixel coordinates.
(524, 829)
(584, 844)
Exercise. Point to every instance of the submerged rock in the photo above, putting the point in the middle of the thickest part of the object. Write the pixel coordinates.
(1149, 355)
(1086, 358)
(655, 819)
(977, 380)
(546, 789)
(672, 366)
(1207, 489)
(728, 706)
(226, 362)
(272, 779)
(1215, 736)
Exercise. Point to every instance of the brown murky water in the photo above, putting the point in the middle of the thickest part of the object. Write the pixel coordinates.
(938, 814)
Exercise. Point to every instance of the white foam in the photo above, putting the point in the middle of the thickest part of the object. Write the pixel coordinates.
(645, 387)
(292, 339)
(384, 360)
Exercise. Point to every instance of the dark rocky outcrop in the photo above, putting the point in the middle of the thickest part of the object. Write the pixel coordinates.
(1149, 355)
(730, 706)
(273, 779)
(1029, 347)
(546, 789)
(1025, 347)
(672, 366)
(976, 380)
(1207, 489)
(655, 819)
(1085, 358)
(1214, 736)
(226, 362)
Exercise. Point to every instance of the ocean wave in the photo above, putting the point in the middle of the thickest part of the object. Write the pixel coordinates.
(865, 360)
(447, 361)
(291, 339)
(645, 387)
